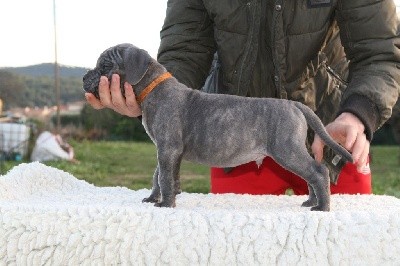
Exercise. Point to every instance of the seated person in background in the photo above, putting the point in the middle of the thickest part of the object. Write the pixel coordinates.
(49, 147)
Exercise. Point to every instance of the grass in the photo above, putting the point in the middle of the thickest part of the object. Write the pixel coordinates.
(385, 169)
(131, 164)
(128, 164)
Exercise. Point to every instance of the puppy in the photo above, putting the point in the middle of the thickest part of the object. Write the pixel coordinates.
(213, 129)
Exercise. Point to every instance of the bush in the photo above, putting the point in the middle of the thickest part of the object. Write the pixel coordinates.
(110, 125)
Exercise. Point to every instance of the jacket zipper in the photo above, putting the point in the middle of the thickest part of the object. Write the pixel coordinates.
(335, 75)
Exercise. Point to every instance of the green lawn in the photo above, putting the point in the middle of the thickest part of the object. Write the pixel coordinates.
(385, 169)
(131, 164)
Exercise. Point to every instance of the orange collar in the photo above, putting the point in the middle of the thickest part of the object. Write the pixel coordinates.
(151, 86)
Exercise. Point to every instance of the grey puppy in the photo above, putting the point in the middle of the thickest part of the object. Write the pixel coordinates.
(213, 129)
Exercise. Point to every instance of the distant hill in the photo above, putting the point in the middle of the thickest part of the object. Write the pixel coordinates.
(34, 85)
(47, 70)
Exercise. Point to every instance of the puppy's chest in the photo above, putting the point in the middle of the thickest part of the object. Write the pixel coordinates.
(146, 128)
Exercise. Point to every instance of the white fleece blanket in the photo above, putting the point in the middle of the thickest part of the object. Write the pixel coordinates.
(47, 216)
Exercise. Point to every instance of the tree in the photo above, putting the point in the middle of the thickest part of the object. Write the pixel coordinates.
(12, 89)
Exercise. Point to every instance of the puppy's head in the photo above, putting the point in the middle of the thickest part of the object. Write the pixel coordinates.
(126, 60)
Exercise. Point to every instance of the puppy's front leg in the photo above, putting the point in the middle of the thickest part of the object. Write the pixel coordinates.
(155, 192)
(169, 165)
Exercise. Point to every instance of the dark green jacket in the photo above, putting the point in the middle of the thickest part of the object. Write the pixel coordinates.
(291, 49)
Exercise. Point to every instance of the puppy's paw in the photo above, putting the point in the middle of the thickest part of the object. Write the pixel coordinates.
(309, 203)
(320, 208)
(164, 204)
(151, 199)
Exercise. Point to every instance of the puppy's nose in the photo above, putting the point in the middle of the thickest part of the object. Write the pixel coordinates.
(91, 82)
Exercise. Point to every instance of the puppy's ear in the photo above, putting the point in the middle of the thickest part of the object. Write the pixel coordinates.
(137, 62)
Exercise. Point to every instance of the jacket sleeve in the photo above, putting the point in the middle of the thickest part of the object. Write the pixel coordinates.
(370, 35)
(187, 42)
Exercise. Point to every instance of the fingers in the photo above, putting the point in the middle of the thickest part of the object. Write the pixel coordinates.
(124, 105)
(104, 92)
(347, 130)
(131, 102)
(358, 147)
(117, 99)
(111, 97)
(360, 151)
(363, 157)
(355, 139)
(317, 148)
(351, 137)
(93, 101)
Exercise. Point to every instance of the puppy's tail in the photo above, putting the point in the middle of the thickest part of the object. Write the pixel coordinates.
(315, 123)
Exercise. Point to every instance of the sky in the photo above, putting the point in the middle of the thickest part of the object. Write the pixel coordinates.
(85, 28)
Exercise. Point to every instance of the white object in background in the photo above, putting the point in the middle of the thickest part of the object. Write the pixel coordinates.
(14, 138)
(47, 148)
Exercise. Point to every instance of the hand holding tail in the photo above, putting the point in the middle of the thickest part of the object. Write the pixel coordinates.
(348, 131)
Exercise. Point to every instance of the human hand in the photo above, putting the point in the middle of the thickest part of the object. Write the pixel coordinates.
(74, 161)
(348, 131)
(111, 97)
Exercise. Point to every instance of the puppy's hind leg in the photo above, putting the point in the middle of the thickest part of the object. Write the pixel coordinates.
(321, 188)
(312, 198)
(155, 192)
(314, 174)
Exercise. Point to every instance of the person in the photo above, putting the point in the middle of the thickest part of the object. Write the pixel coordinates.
(341, 58)
(50, 147)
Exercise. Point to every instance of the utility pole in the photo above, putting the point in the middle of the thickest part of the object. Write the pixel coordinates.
(56, 72)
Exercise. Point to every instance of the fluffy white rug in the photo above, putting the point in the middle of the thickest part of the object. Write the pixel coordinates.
(47, 216)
